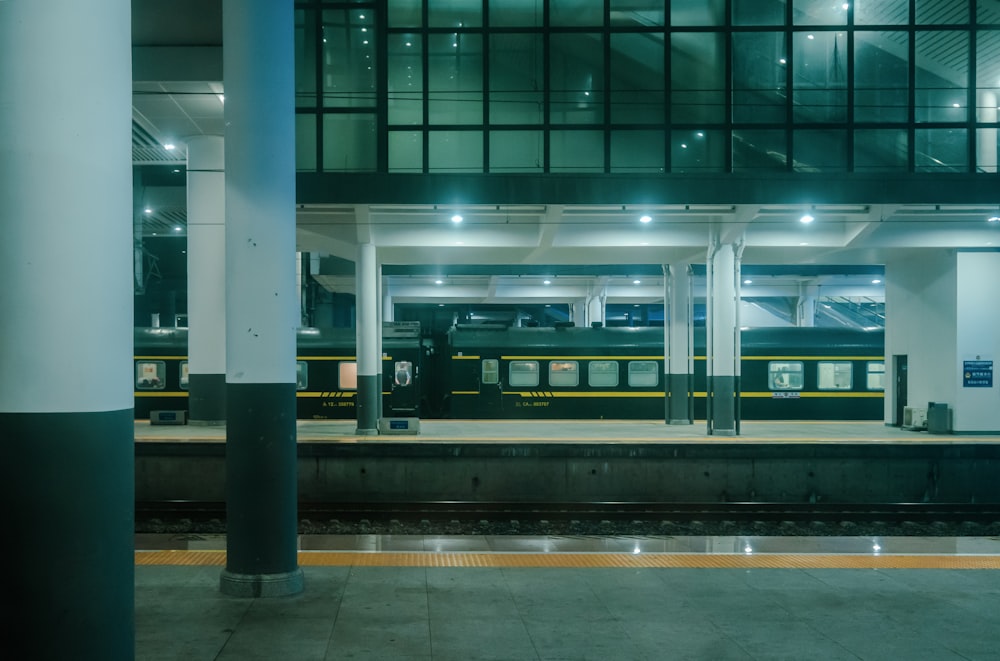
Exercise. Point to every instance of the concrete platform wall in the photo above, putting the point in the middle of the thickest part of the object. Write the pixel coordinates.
(793, 473)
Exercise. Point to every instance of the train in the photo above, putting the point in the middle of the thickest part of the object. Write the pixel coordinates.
(564, 372)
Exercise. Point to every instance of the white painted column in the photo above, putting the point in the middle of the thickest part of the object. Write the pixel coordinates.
(367, 332)
(678, 342)
(723, 341)
(206, 262)
(805, 307)
(261, 307)
(595, 308)
(66, 367)
(379, 379)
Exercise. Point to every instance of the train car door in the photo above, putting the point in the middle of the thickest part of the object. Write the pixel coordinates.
(403, 396)
(490, 388)
(899, 388)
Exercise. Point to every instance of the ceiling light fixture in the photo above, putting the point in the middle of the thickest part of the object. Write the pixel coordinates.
(635, 282)
(169, 146)
(546, 282)
(457, 218)
(148, 210)
(646, 219)
(439, 282)
(876, 281)
(747, 281)
(806, 218)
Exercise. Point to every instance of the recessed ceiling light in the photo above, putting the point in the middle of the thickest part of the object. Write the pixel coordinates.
(148, 210)
(876, 281)
(635, 282)
(177, 229)
(804, 243)
(806, 219)
(993, 219)
(439, 282)
(747, 281)
(457, 218)
(646, 219)
(169, 147)
(546, 282)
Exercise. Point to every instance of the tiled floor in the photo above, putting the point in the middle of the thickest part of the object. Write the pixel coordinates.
(387, 613)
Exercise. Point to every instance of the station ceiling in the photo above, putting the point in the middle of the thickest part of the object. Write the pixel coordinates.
(177, 93)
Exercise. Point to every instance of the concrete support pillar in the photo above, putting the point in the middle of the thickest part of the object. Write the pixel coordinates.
(206, 262)
(388, 308)
(66, 418)
(261, 308)
(378, 337)
(679, 344)
(367, 331)
(805, 307)
(578, 312)
(595, 308)
(723, 335)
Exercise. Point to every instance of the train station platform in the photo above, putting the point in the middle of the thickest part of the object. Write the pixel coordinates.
(587, 461)
(560, 598)
(580, 431)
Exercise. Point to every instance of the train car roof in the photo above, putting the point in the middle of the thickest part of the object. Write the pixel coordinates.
(754, 341)
(462, 337)
(807, 341)
(394, 334)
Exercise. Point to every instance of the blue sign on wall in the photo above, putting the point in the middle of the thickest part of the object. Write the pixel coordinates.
(977, 374)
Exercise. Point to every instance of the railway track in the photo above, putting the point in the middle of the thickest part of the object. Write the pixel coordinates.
(599, 518)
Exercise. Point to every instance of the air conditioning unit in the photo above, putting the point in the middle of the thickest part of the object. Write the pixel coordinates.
(914, 417)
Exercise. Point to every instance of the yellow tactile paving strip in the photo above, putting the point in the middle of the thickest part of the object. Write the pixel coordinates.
(594, 560)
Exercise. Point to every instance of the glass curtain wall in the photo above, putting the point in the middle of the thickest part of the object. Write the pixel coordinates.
(647, 86)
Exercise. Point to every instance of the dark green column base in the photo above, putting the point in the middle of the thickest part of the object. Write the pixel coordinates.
(679, 402)
(722, 390)
(261, 483)
(283, 584)
(369, 393)
(67, 481)
(207, 400)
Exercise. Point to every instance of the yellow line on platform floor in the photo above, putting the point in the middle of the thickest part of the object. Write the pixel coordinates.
(593, 560)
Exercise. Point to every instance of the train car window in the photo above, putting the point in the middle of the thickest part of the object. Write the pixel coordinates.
(876, 375)
(603, 374)
(301, 375)
(491, 371)
(784, 375)
(837, 375)
(184, 375)
(150, 375)
(348, 375)
(643, 374)
(565, 373)
(404, 373)
(523, 373)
